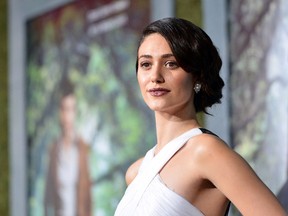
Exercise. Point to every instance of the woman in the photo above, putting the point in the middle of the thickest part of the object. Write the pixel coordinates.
(190, 171)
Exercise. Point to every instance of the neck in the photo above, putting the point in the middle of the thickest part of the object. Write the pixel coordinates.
(169, 127)
(68, 139)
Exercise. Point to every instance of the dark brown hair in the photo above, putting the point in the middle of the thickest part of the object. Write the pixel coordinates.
(195, 53)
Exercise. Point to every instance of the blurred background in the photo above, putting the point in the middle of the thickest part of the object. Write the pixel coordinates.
(47, 47)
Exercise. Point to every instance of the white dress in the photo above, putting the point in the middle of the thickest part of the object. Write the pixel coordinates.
(147, 195)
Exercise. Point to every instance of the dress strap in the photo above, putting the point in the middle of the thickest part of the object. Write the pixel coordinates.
(145, 177)
(204, 130)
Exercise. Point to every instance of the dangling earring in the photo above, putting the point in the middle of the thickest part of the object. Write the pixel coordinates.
(197, 87)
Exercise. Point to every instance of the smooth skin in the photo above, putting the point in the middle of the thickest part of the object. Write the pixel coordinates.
(205, 171)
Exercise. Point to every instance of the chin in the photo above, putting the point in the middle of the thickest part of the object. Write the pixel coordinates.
(156, 108)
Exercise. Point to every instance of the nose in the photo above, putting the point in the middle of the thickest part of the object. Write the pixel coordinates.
(157, 75)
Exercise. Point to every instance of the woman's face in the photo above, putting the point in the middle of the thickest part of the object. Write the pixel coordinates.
(164, 85)
(68, 113)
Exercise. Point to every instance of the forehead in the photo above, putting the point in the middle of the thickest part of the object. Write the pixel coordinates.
(68, 99)
(154, 44)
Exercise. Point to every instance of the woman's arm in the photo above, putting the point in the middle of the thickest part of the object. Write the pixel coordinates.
(233, 176)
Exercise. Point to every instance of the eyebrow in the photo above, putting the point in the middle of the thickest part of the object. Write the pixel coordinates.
(168, 55)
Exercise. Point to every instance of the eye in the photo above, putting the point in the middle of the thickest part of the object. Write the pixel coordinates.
(171, 64)
(145, 65)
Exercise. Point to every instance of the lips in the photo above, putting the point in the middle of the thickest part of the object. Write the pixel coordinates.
(157, 92)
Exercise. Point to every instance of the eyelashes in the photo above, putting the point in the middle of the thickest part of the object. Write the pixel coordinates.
(171, 64)
(145, 65)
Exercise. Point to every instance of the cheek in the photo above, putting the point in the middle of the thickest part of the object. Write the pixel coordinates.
(141, 81)
(186, 85)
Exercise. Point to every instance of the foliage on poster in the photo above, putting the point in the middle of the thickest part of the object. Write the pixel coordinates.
(93, 45)
(259, 84)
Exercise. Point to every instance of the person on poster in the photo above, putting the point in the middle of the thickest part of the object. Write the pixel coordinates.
(68, 184)
(190, 171)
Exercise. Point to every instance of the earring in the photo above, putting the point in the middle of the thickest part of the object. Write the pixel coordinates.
(197, 87)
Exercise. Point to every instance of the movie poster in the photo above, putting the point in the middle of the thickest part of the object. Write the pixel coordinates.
(85, 119)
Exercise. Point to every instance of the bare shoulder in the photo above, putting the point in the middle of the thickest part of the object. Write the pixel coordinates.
(230, 173)
(209, 152)
(208, 145)
(132, 171)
